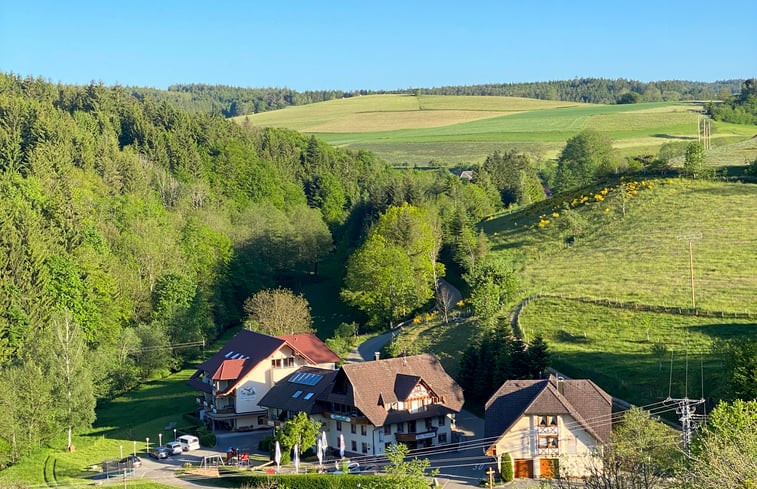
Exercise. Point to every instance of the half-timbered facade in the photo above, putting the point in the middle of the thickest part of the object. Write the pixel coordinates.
(544, 424)
(373, 404)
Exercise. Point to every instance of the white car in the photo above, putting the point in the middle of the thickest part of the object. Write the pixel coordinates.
(174, 447)
(189, 442)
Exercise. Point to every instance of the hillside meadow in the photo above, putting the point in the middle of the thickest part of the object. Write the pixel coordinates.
(582, 245)
(409, 130)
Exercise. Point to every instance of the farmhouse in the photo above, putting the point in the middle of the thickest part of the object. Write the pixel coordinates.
(373, 404)
(233, 380)
(545, 424)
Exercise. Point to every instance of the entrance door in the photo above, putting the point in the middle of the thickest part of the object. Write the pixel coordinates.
(548, 468)
(524, 469)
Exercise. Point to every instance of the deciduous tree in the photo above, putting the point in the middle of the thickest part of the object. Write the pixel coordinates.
(278, 312)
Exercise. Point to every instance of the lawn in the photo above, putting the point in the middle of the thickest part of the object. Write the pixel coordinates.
(121, 427)
(613, 347)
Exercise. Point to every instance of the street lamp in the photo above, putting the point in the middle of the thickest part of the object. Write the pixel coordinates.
(135, 448)
(174, 434)
(147, 441)
(160, 439)
(122, 451)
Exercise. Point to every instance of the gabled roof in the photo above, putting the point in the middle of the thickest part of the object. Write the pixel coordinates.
(404, 385)
(582, 399)
(311, 382)
(380, 381)
(311, 347)
(229, 369)
(245, 350)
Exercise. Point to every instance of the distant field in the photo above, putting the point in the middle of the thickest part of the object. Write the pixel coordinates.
(644, 256)
(408, 130)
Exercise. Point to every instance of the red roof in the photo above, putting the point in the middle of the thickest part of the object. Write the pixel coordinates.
(311, 347)
(229, 369)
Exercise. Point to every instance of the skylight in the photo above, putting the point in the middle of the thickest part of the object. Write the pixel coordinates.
(305, 378)
(308, 395)
(296, 394)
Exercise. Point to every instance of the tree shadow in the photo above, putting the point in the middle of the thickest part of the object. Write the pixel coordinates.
(670, 136)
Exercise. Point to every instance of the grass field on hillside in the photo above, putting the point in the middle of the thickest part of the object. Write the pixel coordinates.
(144, 412)
(414, 131)
(644, 256)
(613, 347)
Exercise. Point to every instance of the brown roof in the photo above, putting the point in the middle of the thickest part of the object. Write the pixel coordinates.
(385, 381)
(229, 369)
(582, 399)
(311, 347)
(248, 347)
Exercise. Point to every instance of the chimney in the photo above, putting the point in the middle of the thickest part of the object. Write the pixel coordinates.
(376, 355)
(561, 385)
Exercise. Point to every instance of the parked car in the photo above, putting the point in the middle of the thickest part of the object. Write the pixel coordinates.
(189, 442)
(159, 452)
(131, 461)
(174, 448)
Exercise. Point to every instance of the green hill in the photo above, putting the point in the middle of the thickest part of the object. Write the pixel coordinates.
(415, 130)
(606, 287)
(593, 250)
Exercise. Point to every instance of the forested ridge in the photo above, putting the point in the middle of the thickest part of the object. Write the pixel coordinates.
(132, 231)
(234, 101)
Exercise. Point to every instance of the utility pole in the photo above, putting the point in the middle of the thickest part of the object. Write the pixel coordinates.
(690, 238)
(686, 409)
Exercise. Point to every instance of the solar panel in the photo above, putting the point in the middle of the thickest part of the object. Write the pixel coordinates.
(305, 378)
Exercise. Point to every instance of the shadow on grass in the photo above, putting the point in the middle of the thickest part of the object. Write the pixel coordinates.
(726, 331)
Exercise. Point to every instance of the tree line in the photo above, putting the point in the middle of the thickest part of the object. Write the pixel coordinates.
(235, 101)
(740, 108)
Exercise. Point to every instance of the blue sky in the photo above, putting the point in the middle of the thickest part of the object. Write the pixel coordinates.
(320, 44)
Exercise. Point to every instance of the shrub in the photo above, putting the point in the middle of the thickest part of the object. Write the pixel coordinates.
(507, 468)
(207, 438)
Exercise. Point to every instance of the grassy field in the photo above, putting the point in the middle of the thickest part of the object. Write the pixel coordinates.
(613, 347)
(145, 412)
(416, 131)
(644, 256)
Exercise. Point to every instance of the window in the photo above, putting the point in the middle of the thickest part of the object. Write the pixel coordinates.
(442, 420)
(411, 426)
(547, 442)
(442, 437)
(296, 394)
(364, 447)
(354, 446)
(353, 429)
(387, 429)
(542, 421)
(363, 430)
(400, 427)
(339, 426)
(289, 362)
(428, 424)
(276, 363)
(552, 420)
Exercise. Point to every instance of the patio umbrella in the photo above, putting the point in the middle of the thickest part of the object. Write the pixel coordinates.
(341, 445)
(296, 460)
(277, 456)
(319, 452)
(324, 442)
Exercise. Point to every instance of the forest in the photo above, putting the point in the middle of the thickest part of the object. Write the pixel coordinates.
(133, 232)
